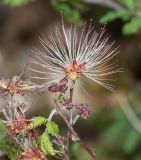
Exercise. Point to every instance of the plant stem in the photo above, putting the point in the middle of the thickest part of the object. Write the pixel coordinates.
(91, 153)
(52, 114)
(68, 132)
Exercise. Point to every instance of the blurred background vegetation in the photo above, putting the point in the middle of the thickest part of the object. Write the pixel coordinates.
(114, 129)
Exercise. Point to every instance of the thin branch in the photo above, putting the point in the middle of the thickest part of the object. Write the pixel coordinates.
(91, 153)
(68, 132)
(53, 112)
(71, 94)
(108, 3)
(23, 71)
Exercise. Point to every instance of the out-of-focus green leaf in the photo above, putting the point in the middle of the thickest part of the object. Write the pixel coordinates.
(130, 4)
(70, 12)
(131, 141)
(137, 156)
(74, 150)
(112, 15)
(5, 146)
(53, 128)
(132, 26)
(115, 130)
(122, 132)
(15, 3)
(46, 145)
(59, 97)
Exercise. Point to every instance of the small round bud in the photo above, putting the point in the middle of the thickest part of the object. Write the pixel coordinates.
(83, 111)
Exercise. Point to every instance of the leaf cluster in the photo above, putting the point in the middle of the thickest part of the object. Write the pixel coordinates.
(129, 14)
(51, 130)
(71, 9)
(15, 3)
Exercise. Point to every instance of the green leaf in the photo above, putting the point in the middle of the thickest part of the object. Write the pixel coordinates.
(130, 4)
(53, 128)
(46, 145)
(37, 121)
(115, 130)
(112, 15)
(74, 150)
(15, 3)
(71, 13)
(5, 146)
(131, 141)
(59, 97)
(132, 26)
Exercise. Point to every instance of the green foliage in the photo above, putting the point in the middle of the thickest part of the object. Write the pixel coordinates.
(112, 15)
(130, 4)
(15, 3)
(5, 146)
(132, 23)
(46, 145)
(131, 141)
(128, 14)
(52, 128)
(132, 26)
(37, 122)
(77, 152)
(71, 9)
(59, 97)
(74, 150)
(122, 132)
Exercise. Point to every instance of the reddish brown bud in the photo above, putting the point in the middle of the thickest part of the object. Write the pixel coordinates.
(83, 111)
(59, 87)
(32, 154)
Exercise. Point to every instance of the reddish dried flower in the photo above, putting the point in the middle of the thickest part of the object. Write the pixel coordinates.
(74, 70)
(59, 87)
(15, 85)
(33, 134)
(17, 93)
(32, 153)
(20, 124)
(83, 111)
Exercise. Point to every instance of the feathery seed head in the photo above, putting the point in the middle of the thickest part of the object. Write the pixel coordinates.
(71, 55)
